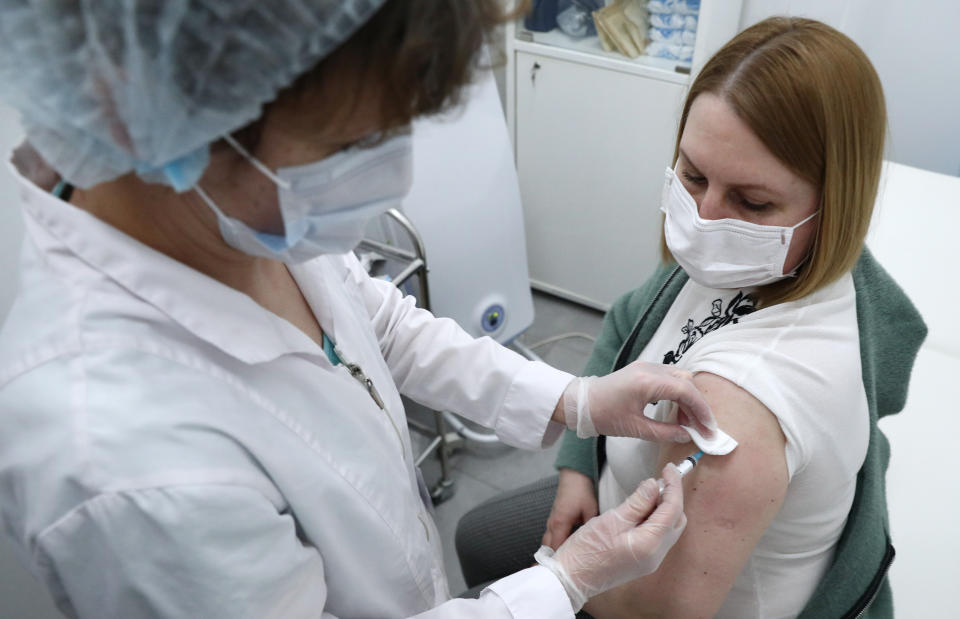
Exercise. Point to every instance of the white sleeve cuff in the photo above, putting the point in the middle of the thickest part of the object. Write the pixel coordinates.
(533, 593)
(524, 419)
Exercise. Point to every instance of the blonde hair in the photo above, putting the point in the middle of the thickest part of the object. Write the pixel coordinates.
(814, 99)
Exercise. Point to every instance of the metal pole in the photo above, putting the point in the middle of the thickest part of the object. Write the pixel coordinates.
(444, 488)
(421, 252)
(405, 274)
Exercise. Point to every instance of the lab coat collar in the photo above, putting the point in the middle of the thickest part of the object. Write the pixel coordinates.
(214, 312)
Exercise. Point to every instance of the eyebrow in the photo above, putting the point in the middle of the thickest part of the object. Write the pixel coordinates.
(759, 186)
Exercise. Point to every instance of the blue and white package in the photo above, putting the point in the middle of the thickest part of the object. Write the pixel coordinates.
(679, 7)
(672, 36)
(673, 20)
(683, 53)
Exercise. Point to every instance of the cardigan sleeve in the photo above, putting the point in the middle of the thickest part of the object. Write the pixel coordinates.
(581, 454)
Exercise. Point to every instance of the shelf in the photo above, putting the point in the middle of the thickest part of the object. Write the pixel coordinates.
(588, 50)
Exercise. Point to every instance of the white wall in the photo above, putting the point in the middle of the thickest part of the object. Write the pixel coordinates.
(914, 48)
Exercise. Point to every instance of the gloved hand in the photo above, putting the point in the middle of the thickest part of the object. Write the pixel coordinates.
(613, 404)
(574, 505)
(612, 549)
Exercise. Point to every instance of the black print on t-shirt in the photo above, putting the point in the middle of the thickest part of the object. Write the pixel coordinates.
(740, 305)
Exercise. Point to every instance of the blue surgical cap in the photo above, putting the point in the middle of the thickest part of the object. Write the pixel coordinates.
(106, 87)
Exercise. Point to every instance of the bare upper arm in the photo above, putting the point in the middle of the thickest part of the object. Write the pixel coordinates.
(729, 501)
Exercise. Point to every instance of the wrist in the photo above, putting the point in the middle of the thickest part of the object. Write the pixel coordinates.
(573, 476)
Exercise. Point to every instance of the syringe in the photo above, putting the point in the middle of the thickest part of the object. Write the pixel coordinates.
(683, 468)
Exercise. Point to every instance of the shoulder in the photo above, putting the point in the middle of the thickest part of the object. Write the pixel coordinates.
(82, 424)
(638, 298)
(229, 546)
(892, 330)
(729, 501)
(665, 282)
(801, 360)
(792, 337)
(620, 320)
(344, 267)
(194, 509)
(753, 473)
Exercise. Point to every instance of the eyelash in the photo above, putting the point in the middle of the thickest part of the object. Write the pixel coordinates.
(699, 180)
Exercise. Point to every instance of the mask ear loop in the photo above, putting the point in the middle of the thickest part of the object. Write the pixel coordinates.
(209, 201)
(282, 183)
(806, 219)
(816, 236)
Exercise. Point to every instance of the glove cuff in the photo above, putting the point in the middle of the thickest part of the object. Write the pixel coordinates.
(569, 403)
(544, 557)
(580, 402)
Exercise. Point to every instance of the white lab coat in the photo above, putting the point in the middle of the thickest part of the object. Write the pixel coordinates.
(169, 448)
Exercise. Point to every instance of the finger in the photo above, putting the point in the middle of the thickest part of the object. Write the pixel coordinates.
(686, 419)
(670, 509)
(662, 432)
(545, 541)
(640, 504)
(557, 540)
(558, 534)
(686, 394)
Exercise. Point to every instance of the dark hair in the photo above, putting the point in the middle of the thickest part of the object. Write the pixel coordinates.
(412, 58)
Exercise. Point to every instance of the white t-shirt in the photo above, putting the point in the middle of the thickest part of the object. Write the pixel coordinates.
(802, 361)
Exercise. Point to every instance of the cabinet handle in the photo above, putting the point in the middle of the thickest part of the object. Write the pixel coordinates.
(533, 73)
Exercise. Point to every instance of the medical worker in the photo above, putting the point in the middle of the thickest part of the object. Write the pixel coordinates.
(200, 409)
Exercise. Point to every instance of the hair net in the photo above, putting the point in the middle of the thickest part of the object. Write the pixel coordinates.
(105, 87)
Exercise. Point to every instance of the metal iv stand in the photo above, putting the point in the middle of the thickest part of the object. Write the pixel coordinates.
(416, 264)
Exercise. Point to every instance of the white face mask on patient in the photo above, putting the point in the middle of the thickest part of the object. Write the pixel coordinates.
(722, 253)
(326, 205)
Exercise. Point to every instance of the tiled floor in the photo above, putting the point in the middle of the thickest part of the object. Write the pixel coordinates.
(481, 471)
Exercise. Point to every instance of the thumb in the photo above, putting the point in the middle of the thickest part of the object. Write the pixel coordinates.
(640, 504)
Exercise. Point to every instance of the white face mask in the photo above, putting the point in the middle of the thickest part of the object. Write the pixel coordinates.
(325, 205)
(722, 253)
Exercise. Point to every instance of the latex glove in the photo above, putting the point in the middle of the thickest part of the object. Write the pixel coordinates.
(613, 404)
(612, 549)
(575, 504)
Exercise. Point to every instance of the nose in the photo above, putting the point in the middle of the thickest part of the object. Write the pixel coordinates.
(710, 204)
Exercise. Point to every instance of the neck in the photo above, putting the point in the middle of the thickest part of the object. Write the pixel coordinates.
(180, 226)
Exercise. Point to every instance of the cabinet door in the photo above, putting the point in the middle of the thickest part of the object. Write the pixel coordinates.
(592, 145)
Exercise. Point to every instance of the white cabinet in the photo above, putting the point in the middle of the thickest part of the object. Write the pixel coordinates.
(593, 133)
(591, 147)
